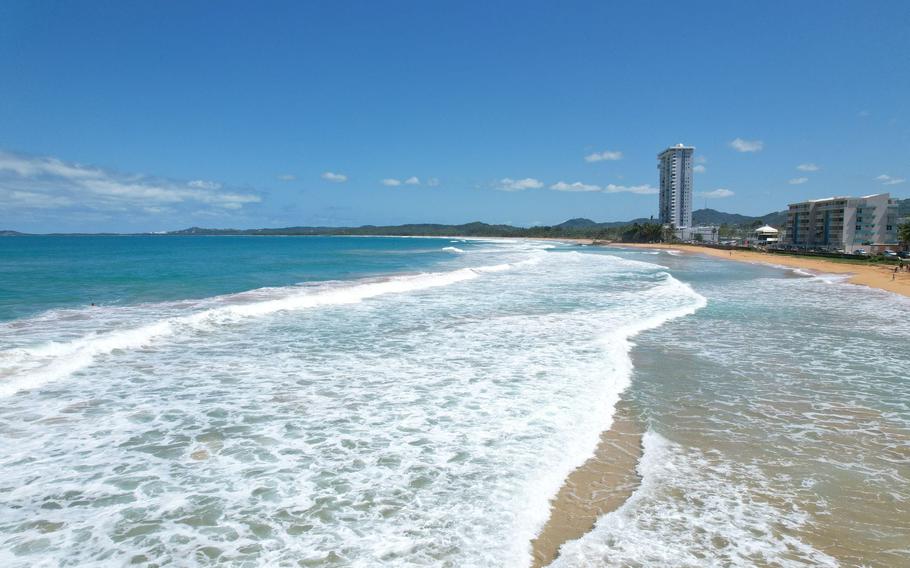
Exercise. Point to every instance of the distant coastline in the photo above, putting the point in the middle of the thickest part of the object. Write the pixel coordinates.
(576, 228)
(572, 228)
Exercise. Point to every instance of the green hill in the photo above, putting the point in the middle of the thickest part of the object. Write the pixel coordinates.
(577, 227)
(714, 217)
(581, 227)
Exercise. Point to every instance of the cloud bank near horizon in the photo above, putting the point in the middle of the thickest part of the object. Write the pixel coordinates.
(30, 184)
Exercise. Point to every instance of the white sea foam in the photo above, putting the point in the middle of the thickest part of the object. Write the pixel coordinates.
(827, 277)
(695, 509)
(456, 250)
(416, 429)
(679, 300)
(32, 367)
(787, 420)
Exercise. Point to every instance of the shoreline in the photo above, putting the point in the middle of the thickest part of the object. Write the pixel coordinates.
(599, 486)
(869, 275)
(609, 477)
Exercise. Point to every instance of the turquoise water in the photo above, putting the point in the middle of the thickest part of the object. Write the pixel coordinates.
(45, 272)
(370, 401)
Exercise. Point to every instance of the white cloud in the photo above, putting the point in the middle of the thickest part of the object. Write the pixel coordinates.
(888, 180)
(798, 181)
(808, 167)
(717, 193)
(645, 189)
(202, 184)
(32, 200)
(334, 177)
(44, 183)
(701, 159)
(31, 167)
(509, 184)
(863, 113)
(413, 180)
(699, 169)
(287, 177)
(605, 156)
(577, 186)
(741, 145)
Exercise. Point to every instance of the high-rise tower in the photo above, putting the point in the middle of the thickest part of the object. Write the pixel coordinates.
(676, 185)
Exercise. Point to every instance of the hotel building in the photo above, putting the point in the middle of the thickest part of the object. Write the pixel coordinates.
(843, 223)
(675, 166)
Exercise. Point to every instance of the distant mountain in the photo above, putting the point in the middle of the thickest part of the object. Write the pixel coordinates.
(428, 229)
(582, 223)
(577, 223)
(775, 219)
(714, 217)
(577, 227)
(699, 217)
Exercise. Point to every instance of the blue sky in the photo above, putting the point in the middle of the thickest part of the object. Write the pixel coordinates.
(127, 116)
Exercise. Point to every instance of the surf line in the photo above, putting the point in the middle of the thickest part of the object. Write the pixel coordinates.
(607, 479)
(598, 487)
(36, 366)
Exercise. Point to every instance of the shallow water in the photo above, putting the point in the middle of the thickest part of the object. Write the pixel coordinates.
(779, 423)
(417, 405)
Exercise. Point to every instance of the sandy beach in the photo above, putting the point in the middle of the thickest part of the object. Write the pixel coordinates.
(605, 481)
(872, 275)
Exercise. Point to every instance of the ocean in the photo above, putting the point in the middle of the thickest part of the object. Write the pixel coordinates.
(342, 401)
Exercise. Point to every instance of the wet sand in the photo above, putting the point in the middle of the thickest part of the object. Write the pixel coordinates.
(599, 486)
(609, 478)
(872, 275)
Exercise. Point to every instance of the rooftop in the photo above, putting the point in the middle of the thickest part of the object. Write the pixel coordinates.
(679, 146)
(840, 197)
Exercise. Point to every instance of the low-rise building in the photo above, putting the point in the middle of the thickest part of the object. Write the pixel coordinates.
(701, 233)
(766, 235)
(842, 223)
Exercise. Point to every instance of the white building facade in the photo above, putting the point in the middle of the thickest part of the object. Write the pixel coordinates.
(843, 223)
(675, 166)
